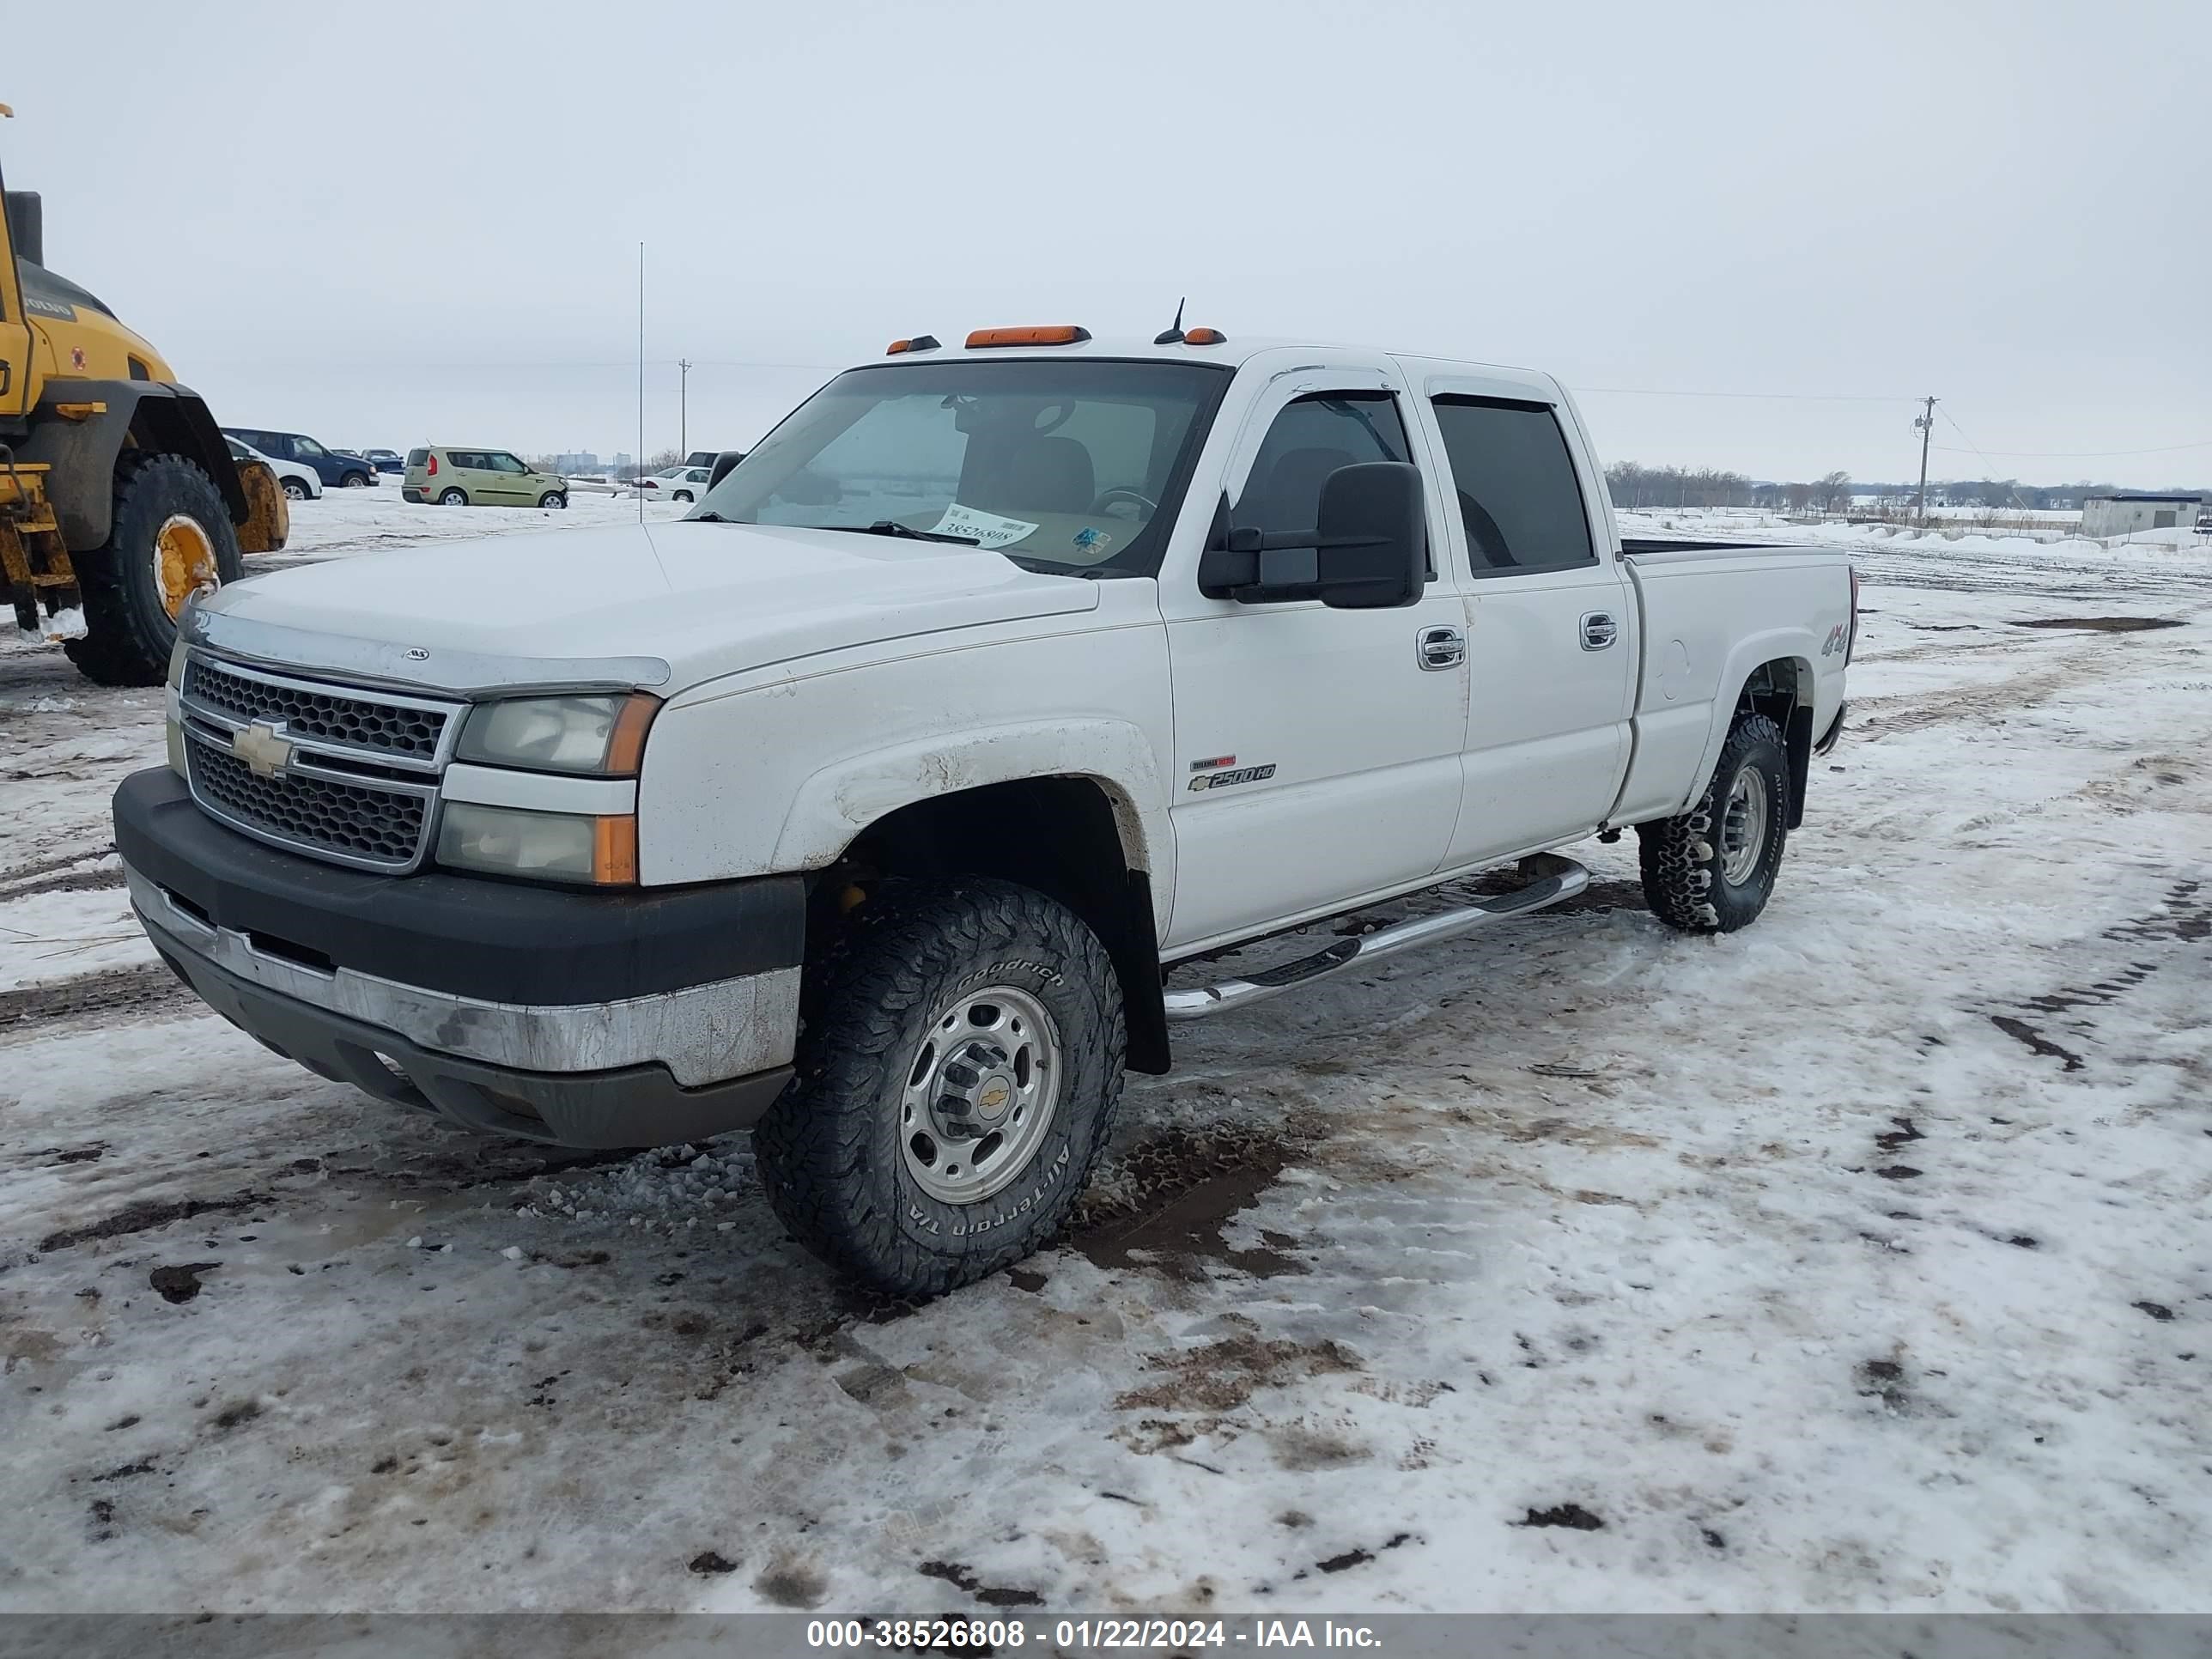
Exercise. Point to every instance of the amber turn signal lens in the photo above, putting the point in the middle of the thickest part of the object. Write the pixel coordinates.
(1054, 334)
(614, 852)
(626, 743)
(1204, 337)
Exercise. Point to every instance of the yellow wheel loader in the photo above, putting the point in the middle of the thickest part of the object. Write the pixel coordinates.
(118, 496)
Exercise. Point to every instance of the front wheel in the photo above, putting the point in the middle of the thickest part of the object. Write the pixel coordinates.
(295, 490)
(958, 1076)
(1711, 870)
(553, 498)
(171, 538)
(355, 481)
(453, 498)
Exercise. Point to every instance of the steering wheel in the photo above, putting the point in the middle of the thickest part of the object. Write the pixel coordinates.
(1121, 493)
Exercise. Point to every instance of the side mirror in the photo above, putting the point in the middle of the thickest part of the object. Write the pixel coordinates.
(723, 463)
(1368, 549)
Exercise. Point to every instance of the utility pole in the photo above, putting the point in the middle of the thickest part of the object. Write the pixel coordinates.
(639, 464)
(1926, 421)
(683, 407)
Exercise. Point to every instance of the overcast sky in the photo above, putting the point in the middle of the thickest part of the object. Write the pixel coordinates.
(391, 224)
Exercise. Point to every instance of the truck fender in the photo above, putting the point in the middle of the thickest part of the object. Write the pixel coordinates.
(1801, 645)
(836, 803)
(80, 454)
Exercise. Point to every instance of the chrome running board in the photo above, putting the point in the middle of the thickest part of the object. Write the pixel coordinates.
(1563, 879)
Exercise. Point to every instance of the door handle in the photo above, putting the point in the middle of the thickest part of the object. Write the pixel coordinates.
(1439, 648)
(1599, 630)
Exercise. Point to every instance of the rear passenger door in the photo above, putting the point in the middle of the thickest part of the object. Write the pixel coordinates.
(1552, 626)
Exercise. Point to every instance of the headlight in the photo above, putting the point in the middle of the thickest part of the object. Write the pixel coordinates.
(601, 735)
(543, 846)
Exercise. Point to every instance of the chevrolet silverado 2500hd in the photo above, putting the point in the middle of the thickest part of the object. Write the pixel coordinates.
(868, 805)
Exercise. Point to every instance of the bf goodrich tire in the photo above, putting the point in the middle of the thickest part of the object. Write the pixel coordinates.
(958, 1075)
(171, 536)
(1711, 870)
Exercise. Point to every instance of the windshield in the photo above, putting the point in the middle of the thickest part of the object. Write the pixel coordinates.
(1068, 464)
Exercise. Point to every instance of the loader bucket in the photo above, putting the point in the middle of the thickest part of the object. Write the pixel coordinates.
(268, 514)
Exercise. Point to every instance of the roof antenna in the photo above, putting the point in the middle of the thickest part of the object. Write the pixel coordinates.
(1174, 329)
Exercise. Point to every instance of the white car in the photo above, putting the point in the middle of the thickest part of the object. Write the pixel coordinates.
(676, 484)
(869, 810)
(299, 482)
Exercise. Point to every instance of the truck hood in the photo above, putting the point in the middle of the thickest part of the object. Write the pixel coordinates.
(667, 605)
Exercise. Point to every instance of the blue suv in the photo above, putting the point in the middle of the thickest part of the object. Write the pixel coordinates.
(337, 471)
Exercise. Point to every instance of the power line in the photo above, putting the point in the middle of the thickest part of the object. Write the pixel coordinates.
(2070, 454)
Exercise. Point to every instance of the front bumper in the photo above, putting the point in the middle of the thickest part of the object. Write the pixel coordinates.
(585, 1020)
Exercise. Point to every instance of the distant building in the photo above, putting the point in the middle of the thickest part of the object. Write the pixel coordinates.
(621, 460)
(582, 461)
(2126, 514)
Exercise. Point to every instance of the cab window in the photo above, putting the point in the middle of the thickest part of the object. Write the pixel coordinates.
(1518, 494)
(1310, 440)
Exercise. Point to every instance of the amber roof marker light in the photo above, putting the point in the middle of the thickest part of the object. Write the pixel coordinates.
(1204, 337)
(920, 342)
(1049, 334)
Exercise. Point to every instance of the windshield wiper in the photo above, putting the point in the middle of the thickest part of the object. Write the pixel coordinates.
(706, 518)
(893, 527)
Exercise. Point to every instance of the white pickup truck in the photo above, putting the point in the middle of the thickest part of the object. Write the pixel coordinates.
(869, 805)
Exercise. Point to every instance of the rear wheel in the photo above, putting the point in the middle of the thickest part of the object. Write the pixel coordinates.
(172, 537)
(1711, 870)
(683, 494)
(453, 498)
(958, 1075)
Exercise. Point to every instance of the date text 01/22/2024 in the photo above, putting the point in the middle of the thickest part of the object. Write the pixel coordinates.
(1082, 1635)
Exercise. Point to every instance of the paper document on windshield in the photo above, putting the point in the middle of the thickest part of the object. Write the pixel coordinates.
(987, 529)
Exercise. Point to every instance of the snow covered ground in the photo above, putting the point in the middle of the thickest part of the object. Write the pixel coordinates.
(1860, 1260)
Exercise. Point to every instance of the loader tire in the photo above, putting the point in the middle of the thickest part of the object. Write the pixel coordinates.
(1712, 869)
(172, 535)
(945, 1011)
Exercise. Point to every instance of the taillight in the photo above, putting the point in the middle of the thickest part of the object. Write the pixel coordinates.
(1851, 640)
(433, 472)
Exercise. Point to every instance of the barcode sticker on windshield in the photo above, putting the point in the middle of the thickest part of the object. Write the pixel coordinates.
(989, 529)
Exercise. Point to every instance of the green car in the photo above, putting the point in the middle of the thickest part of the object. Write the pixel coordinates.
(479, 477)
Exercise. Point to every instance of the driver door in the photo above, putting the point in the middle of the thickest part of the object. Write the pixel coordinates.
(509, 480)
(1317, 751)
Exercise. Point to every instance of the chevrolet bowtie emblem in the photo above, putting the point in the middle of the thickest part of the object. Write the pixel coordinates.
(261, 749)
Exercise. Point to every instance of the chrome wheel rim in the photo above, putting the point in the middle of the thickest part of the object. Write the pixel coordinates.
(1743, 827)
(981, 1094)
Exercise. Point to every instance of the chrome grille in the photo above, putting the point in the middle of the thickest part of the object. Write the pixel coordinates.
(359, 823)
(394, 727)
(346, 775)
